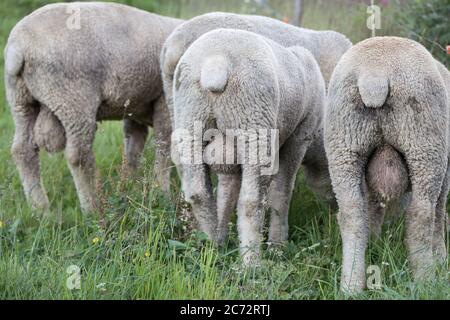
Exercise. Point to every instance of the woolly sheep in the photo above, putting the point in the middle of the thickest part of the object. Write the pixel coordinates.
(326, 46)
(63, 75)
(238, 80)
(387, 102)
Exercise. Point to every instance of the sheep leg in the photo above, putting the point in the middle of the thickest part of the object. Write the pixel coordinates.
(282, 186)
(376, 214)
(162, 130)
(227, 196)
(24, 150)
(80, 158)
(135, 137)
(347, 177)
(440, 252)
(26, 156)
(167, 76)
(426, 173)
(251, 213)
(197, 189)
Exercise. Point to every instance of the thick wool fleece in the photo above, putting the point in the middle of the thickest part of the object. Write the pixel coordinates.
(327, 47)
(234, 79)
(388, 97)
(80, 63)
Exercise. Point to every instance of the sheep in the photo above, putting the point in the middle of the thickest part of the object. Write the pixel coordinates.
(388, 103)
(239, 81)
(64, 75)
(326, 46)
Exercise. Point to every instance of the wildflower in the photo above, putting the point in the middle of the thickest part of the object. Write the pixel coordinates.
(95, 240)
(147, 254)
(315, 245)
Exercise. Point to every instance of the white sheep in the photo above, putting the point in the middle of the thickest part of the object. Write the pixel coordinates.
(326, 46)
(68, 66)
(240, 81)
(388, 104)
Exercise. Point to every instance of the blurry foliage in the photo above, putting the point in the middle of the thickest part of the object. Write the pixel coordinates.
(428, 22)
(421, 20)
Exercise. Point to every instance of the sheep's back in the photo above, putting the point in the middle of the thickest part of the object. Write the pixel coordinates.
(114, 53)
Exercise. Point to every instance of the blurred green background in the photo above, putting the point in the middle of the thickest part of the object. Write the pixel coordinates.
(423, 20)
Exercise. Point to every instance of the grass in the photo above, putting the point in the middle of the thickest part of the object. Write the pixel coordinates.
(143, 251)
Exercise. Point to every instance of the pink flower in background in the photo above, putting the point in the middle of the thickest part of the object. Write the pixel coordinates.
(384, 3)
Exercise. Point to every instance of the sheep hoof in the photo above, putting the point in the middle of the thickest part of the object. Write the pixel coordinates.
(39, 201)
(352, 288)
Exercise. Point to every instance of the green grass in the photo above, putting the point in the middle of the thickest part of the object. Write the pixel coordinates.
(142, 252)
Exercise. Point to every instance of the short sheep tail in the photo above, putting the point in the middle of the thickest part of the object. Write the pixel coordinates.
(214, 74)
(387, 174)
(374, 89)
(14, 59)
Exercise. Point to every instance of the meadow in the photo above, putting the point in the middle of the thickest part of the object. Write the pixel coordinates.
(142, 245)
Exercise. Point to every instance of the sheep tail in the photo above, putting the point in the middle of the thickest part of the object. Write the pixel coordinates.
(214, 74)
(374, 89)
(386, 174)
(14, 60)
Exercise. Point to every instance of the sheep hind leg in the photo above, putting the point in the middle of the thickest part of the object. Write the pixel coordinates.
(135, 137)
(439, 249)
(251, 213)
(162, 130)
(197, 188)
(376, 213)
(24, 149)
(26, 157)
(227, 196)
(426, 173)
(347, 176)
(80, 134)
(81, 161)
(282, 186)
